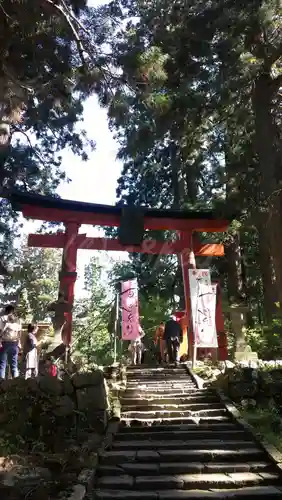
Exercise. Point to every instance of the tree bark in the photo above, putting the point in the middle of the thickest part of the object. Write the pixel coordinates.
(234, 259)
(236, 288)
(267, 274)
(176, 190)
(236, 293)
(266, 138)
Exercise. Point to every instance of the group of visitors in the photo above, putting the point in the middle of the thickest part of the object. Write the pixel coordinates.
(10, 347)
(168, 338)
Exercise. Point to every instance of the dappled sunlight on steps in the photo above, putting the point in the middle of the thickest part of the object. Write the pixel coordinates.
(178, 442)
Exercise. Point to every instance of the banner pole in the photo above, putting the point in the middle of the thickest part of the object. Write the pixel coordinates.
(116, 328)
(194, 355)
(194, 360)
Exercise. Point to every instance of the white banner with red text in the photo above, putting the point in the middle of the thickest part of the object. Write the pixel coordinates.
(197, 277)
(130, 310)
(204, 325)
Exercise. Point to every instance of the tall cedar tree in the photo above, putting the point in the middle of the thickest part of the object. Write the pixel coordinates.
(202, 106)
(52, 58)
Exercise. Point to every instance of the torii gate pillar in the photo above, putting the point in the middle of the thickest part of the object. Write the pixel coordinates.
(188, 261)
(67, 278)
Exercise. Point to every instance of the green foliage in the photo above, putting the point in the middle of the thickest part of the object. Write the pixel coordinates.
(191, 123)
(267, 423)
(35, 430)
(53, 58)
(33, 282)
(266, 340)
(157, 275)
(92, 343)
(152, 312)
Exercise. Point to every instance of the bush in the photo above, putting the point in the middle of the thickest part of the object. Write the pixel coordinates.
(266, 340)
(267, 423)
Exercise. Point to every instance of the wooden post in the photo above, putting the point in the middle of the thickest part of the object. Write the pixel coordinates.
(68, 277)
(188, 261)
(219, 321)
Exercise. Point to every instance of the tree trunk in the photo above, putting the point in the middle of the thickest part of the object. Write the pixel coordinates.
(266, 139)
(234, 260)
(245, 290)
(176, 190)
(236, 288)
(235, 293)
(267, 275)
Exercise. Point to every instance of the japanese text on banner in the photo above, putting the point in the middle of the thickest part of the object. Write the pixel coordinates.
(130, 310)
(204, 324)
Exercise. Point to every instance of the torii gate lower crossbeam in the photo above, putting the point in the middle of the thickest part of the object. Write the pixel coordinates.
(73, 214)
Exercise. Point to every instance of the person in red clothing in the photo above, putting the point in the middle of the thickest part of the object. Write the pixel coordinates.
(159, 337)
(51, 367)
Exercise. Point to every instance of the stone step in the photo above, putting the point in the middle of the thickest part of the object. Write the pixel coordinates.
(164, 380)
(155, 414)
(153, 386)
(139, 392)
(177, 444)
(171, 468)
(161, 379)
(172, 399)
(157, 427)
(176, 420)
(137, 370)
(182, 468)
(246, 493)
(161, 391)
(187, 481)
(181, 379)
(183, 435)
(160, 406)
(188, 455)
(159, 372)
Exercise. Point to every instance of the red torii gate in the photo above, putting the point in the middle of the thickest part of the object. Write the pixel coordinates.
(73, 214)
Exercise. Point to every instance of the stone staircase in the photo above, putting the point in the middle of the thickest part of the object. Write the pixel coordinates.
(177, 442)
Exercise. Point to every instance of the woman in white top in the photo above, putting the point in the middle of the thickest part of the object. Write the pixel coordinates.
(30, 352)
(136, 348)
(10, 334)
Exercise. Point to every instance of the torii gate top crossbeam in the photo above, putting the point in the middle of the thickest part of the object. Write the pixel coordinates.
(59, 210)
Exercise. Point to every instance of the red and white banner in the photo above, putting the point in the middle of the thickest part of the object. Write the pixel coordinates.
(130, 310)
(204, 322)
(197, 277)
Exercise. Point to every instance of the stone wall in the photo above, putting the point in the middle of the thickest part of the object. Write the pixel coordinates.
(50, 431)
(254, 383)
(77, 401)
(259, 385)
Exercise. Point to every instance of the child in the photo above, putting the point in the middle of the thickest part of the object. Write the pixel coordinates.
(51, 366)
(30, 352)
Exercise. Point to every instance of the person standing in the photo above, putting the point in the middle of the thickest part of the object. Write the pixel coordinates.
(159, 337)
(136, 348)
(173, 337)
(10, 335)
(30, 352)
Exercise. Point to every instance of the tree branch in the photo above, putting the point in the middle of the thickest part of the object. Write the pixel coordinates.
(17, 129)
(277, 83)
(276, 54)
(69, 18)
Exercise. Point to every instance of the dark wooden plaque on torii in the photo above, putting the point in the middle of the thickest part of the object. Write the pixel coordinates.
(73, 214)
